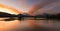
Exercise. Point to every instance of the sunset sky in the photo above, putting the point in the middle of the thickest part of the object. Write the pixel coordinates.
(33, 5)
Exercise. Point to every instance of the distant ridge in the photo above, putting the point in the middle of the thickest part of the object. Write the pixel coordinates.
(21, 16)
(3, 14)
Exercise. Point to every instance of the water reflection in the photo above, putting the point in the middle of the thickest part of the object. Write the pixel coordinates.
(30, 24)
(47, 25)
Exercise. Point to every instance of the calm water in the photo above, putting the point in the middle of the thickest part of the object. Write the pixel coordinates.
(55, 24)
(25, 24)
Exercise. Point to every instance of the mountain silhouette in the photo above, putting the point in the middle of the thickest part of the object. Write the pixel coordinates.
(3, 14)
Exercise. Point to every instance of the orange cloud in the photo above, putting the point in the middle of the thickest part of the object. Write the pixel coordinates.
(8, 9)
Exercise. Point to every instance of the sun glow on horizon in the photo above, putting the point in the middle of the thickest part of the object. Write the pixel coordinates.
(8, 9)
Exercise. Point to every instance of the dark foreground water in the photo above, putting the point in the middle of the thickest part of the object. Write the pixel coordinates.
(45, 25)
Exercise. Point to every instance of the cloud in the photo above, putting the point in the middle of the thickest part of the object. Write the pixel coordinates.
(41, 5)
(52, 8)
